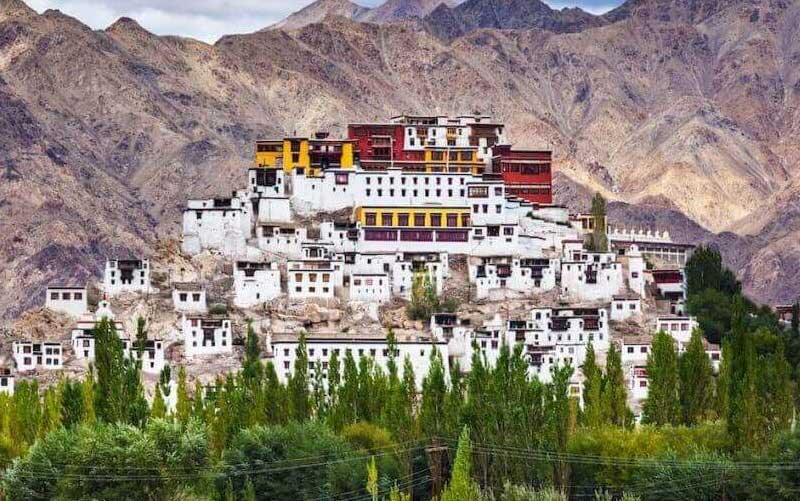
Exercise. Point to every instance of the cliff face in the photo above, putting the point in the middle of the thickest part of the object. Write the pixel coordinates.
(106, 133)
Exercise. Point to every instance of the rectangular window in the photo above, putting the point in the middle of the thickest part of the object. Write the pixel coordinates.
(419, 219)
(452, 220)
(386, 219)
(436, 219)
(402, 219)
(371, 219)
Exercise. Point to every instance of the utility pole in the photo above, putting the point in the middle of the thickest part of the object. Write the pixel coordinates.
(435, 458)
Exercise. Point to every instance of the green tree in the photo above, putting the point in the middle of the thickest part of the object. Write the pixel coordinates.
(742, 412)
(159, 408)
(251, 367)
(594, 411)
(183, 405)
(661, 406)
(299, 395)
(615, 394)
(372, 479)
(696, 381)
(599, 239)
(461, 486)
(141, 334)
(434, 393)
(72, 403)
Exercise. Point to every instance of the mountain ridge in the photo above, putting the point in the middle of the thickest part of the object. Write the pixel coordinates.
(106, 133)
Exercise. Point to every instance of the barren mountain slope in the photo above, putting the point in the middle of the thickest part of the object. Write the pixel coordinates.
(319, 10)
(110, 131)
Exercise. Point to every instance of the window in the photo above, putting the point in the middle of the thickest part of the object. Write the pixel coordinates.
(371, 218)
(54, 296)
(419, 219)
(630, 349)
(402, 219)
(436, 219)
(298, 277)
(326, 277)
(386, 219)
(452, 220)
(464, 219)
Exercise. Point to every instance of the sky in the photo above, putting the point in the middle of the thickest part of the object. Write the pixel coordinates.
(208, 20)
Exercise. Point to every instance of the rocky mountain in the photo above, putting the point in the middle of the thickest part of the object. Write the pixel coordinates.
(388, 12)
(106, 133)
(318, 11)
(449, 23)
(400, 10)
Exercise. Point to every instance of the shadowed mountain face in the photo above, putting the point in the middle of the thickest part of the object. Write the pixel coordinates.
(106, 133)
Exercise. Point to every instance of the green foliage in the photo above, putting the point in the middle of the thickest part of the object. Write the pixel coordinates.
(524, 493)
(424, 299)
(704, 271)
(57, 465)
(696, 382)
(661, 406)
(299, 395)
(218, 309)
(183, 404)
(341, 470)
(461, 486)
(599, 240)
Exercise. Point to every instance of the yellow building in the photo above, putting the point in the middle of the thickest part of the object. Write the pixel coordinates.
(413, 217)
(453, 159)
(311, 155)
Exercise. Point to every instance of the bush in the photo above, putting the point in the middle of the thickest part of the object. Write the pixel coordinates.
(218, 309)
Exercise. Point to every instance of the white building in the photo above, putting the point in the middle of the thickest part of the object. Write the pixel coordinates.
(70, 300)
(320, 350)
(152, 354)
(636, 271)
(338, 189)
(311, 279)
(206, 335)
(281, 238)
(634, 351)
(624, 306)
(29, 355)
(680, 328)
(82, 337)
(499, 274)
(6, 382)
(446, 326)
(407, 265)
(219, 224)
(255, 282)
(127, 275)
(370, 287)
(590, 276)
(189, 298)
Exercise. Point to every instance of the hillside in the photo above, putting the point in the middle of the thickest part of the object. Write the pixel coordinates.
(107, 132)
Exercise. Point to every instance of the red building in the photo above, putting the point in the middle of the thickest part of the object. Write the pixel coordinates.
(419, 143)
(527, 174)
(379, 145)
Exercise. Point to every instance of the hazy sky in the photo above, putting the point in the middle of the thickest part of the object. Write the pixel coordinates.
(210, 19)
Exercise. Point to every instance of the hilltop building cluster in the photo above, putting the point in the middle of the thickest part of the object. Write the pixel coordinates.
(367, 218)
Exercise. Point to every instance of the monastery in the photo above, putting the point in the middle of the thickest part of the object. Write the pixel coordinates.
(366, 218)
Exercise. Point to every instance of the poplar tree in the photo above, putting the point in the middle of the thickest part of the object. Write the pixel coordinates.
(696, 381)
(594, 413)
(183, 405)
(347, 411)
(319, 396)
(109, 364)
(742, 412)
(251, 367)
(299, 395)
(159, 408)
(599, 238)
(72, 403)
(434, 393)
(661, 406)
(198, 407)
(461, 486)
(615, 394)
